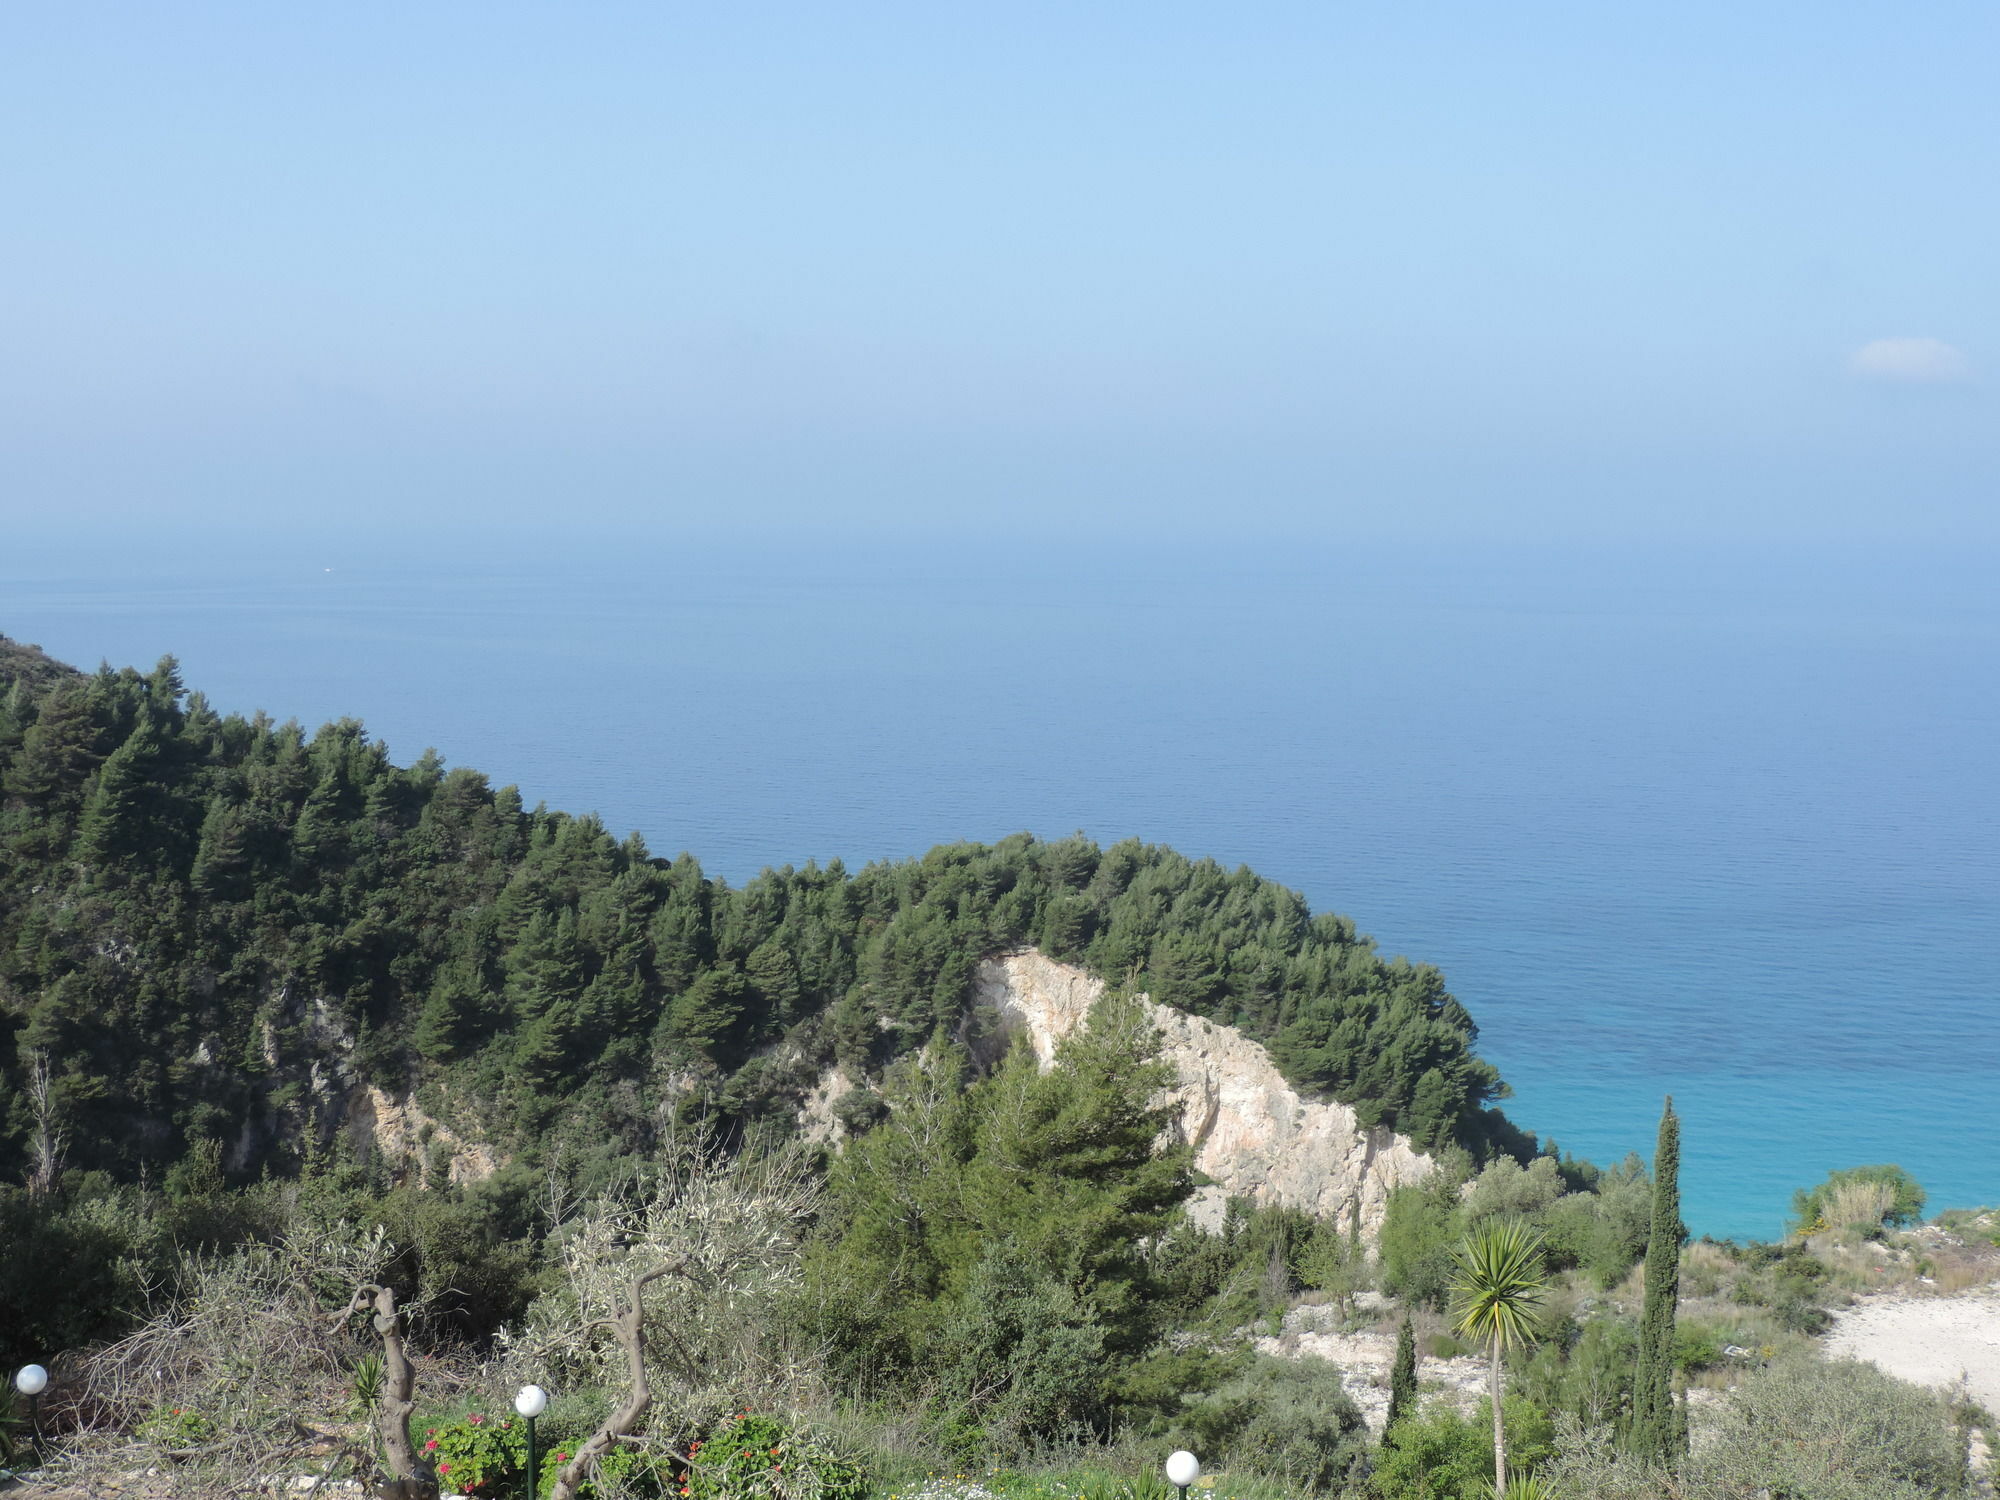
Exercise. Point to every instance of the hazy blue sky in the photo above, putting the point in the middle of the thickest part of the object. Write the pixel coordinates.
(1534, 269)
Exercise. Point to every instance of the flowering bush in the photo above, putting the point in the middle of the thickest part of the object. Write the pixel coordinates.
(622, 1471)
(757, 1458)
(475, 1456)
(478, 1456)
(744, 1458)
(177, 1427)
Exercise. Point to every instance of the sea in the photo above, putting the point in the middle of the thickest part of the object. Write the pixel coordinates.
(1720, 822)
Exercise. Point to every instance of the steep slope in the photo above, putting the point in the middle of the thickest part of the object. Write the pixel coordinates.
(1254, 1135)
(215, 928)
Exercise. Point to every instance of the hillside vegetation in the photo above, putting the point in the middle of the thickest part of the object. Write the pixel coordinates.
(210, 924)
(217, 932)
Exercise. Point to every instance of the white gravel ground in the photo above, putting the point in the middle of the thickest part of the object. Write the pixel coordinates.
(1932, 1340)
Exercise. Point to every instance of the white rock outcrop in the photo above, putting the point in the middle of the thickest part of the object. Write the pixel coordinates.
(402, 1134)
(1253, 1135)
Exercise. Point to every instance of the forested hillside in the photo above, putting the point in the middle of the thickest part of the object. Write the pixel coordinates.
(212, 926)
(215, 930)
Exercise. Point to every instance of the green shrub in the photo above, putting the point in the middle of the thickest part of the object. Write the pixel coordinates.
(1587, 1373)
(1443, 1455)
(475, 1456)
(1812, 1429)
(1507, 1190)
(77, 1265)
(177, 1428)
(1418, 1231)
(1601, 1231)
(1153, 1393)
(1844, 1193)
(1020, 1356)
(757, 1457)
(1303, 1427)
(1695, 1347)
(1290, 1420)
(1799, 1314)
(1438, 1455)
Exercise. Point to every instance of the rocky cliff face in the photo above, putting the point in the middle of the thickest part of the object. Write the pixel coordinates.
(1253, 1135)
(409, 1141)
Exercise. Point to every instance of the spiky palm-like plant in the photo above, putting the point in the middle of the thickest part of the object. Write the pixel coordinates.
(1495, 1295)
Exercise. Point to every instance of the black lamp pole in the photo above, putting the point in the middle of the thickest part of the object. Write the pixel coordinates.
(29, 1381)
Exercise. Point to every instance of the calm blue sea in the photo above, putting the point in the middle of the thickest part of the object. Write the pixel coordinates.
(1724, 824)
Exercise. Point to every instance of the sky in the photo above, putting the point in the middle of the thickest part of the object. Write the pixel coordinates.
(1622, 272)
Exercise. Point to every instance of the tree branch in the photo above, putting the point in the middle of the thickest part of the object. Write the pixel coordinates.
(411, 1478)
(629, 1325)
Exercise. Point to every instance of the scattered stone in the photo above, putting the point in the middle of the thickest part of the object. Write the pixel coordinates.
(1365, 1359)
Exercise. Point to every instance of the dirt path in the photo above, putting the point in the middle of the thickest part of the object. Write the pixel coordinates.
(1931, 1340)
(1948, 1342)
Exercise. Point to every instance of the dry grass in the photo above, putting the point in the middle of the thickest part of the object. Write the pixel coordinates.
(1855, 1210)
(1929, 1260)
(1962, 1276)
(251, 1354)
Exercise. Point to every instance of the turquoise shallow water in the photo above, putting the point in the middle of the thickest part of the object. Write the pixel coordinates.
(1724, 825)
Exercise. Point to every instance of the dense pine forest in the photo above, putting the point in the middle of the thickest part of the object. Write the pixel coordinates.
(211, 925)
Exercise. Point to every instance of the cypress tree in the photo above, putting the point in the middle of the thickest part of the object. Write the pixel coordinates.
(1402, 1377)
(1656, 1424)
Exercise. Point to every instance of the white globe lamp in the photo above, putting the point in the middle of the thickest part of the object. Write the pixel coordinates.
(531, 1401)
(31, 1381)
(1183, 1469)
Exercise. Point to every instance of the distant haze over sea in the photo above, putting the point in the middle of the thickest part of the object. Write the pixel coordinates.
(1723, 824)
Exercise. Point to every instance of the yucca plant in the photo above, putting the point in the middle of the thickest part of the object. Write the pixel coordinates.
(364, 1395)
(1495, 1295)
(1521, 1487)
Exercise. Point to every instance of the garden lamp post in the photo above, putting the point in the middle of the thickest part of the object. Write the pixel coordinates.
(531, 1401)
(31, 1381)
(1183, 1469)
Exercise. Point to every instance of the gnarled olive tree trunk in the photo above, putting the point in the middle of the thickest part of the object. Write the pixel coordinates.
(628, 1326)
(411, 1477)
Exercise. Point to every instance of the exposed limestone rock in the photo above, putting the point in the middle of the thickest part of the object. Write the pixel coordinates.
(819, 1125)
(1254, 1136)
(1366, 1356)
(404, 1135)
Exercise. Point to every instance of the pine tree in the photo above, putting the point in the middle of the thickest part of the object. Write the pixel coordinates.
(58, 749)
(703, 1018)
(1074, 1167)
(774, 976)
(114, 817)
(1656, 1424)
(1403, 1376)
